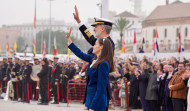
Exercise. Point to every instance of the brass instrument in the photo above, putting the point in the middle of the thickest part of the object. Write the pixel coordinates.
(35, 70)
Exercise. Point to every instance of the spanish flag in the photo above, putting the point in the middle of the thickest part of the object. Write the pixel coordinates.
(14, 47)
(8, 49)
(34, 48)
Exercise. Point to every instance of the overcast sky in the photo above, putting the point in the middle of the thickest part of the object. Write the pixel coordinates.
(22, 11)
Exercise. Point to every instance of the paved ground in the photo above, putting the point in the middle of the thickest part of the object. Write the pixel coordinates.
(19, 106)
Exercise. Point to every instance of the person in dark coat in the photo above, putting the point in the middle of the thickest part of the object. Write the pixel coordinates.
(26, 81)
(44, 78)
(143, 83)
(4, 76)
(102, 28)
(56, 73)
(152, 89)
(15, 73)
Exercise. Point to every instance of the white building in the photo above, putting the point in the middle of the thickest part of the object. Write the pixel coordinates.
(168, 19)
(128, 35)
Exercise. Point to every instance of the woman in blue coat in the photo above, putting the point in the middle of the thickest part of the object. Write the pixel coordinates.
(101, 65)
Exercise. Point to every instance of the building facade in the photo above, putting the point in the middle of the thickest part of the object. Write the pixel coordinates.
(169, 20)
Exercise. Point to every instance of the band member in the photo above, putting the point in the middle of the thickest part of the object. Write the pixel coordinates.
(72, 70)
(34, 83)
(15, 73)
(9, 68)
(56, 72)
(26, 81)
(21, 81)
(4, 76)
(66, 74)
(44, 78)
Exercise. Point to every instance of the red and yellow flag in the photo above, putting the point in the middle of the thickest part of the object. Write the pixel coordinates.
(8, 49)
(34, 48)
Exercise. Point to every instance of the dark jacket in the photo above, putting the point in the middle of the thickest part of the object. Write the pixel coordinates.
(143, 83)
(27, 72)
(44, 74)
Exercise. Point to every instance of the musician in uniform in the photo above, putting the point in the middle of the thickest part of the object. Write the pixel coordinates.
(4, 76)
(66, 74)
(21, 81)
(102, 28)
(34, 83)
(56, 72)
(26, 81)
(9, 68)
(61, 80)
(15, 73)
(44, 78)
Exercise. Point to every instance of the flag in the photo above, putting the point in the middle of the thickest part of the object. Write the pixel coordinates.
(134, 43)
(155, 45)
(34, 48)
(14, 48)
(44, 48)
(123, 47)
(180, 44)
(8, 49)
(0, 49)
(68, 52)
(25, 50)
(35, 16)
(55, 47)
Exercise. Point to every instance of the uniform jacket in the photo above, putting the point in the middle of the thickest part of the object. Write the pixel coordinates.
(72, 73)
(98, 79)
(44, 74)
(92, 40)
(27, 72)
(56, 72)
(16, 69)
(179, 88)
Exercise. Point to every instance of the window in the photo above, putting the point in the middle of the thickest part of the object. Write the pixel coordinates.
(165, 33)
(186, 32)
(177, 32)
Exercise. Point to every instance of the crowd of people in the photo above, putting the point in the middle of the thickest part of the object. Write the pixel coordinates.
(157, 84)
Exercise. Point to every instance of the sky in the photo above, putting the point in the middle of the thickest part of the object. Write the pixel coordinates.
(22, 11)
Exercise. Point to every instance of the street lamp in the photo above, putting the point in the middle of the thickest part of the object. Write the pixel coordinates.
(49, 26)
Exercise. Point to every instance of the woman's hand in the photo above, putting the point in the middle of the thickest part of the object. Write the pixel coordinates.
(68, 36)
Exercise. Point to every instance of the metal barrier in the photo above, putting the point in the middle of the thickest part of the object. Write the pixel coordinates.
(75, 91)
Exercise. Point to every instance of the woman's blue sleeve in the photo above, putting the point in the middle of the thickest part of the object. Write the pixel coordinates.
(79, 53)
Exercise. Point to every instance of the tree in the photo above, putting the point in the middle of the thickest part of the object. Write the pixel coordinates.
(121, 25)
